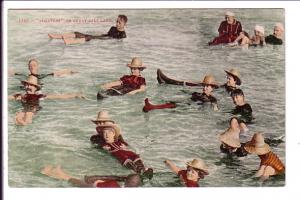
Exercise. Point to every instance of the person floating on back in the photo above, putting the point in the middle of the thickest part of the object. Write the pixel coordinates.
(208, 83)
(116, 32)
(128, 84)
(196, 170)
(277, 36)
(270, 164)
(228, 30)
(119, 150)
(243, 110)
(233, 80)
(132, 180)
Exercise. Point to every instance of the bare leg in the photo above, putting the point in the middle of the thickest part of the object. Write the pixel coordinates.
(269, 171)
(260, 172)
(63, 72)
(243, 127)
(61, 36)
(68, 41)
(23, 118)
(56, 173)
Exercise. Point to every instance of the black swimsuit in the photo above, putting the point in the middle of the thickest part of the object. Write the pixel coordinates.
(112, 33)
(229, 89)
(271, 39)
(203, 97)
(240, 152)
(245, 112)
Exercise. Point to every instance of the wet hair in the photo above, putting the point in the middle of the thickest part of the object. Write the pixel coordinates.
(133, 180)
(237, 92)
(123, 17)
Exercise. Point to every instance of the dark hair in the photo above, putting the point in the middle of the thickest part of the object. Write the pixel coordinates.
(233, 119)
(246, 34)
(124, 18)
(133, 180)
(237, 92)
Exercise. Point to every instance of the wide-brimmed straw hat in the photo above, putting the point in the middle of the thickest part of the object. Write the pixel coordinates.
(231, 138)
(32, 80)
(259, 29)
(114, 127)
(103, 117)
(136, 63)
(209, 80)
(228, 13)
(198, 164)
(257, 145)
(236, 74)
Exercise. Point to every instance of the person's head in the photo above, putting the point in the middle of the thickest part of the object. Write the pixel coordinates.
(136, 66)
(208, 83)
(238, 97)
(259, 30)
(278, 30)
(257, 145)
(196, 169)
(110, 133)
(229, 17)
(31, 84)
(244, 34)
(133, 180)
(33, 66)
(103, 119)
(233, 77)
(121, 22)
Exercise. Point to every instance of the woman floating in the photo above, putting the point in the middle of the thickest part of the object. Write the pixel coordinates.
(128, 84)
(196, 170)
(228, 30)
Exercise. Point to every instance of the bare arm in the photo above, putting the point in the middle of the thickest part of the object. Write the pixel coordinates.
(63, 72)
(112, 84)
(141, 89)
(15, 97)
(172, 166)
(23, 118)
(68, 41)
(65, 96)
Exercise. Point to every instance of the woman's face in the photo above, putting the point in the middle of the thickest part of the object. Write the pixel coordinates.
(135, 71)
(207, 89)
(30, 89)
(192, 174)
(229, 19)
(120, 24)
(230, 81)
(109, 135)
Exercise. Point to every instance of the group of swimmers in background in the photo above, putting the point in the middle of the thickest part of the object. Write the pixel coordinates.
(109, 137)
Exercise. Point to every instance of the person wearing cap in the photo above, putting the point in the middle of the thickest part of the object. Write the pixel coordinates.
(34, 69)
(243, 40)
(277, 36)
(233, 80)
(259, 36)
(195, 170)
(228, 30)
(270, 164)
(30, 100)
(230, 140)
(208, 84)
(132, 180)
(128, 84)
(103, 119)
(115, 32)
(243, 110)
(119, 150)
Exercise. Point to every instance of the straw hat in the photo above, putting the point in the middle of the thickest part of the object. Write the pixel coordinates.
(257, 145)
(209, 80)
(236, 74)
(228, 13)
(32, 80)
(102, 117)
(114, 127)
(136, 63)
(259, 29)
(198, 164)
(231, 138)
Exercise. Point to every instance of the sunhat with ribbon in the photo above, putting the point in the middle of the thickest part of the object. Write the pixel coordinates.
(209, 80)
(136, 63)
(257, 145)
(102, 117)
(230, 138)
(198, 164)
(32, 80)
(236, 74)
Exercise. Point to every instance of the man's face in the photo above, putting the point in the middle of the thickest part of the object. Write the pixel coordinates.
(120, 24)
(229, 19)
(30, 89)
(238, 99)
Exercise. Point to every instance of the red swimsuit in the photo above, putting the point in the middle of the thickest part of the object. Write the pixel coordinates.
(183, 178)
(108, 184)
(227, 33)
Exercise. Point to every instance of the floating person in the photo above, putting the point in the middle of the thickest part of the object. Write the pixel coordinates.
(34, 69)
(259, 36)
(230, 139)
(132, 180)
(228, 30)
(270, 164)
(128, 84)
(233, 80)
(30, 100)
(103, 119)
(277, 36)
(209, 84)
(116, 32)
(243, 110)
(118, 149)
(196, 170)
(243, 40)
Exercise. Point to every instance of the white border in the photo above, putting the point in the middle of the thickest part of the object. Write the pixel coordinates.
(292, 135)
